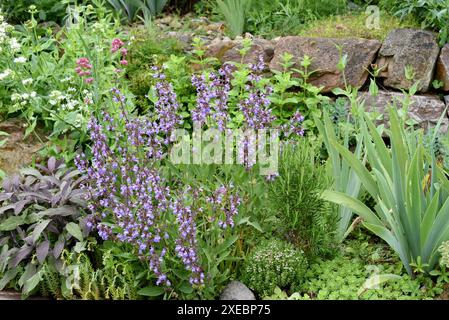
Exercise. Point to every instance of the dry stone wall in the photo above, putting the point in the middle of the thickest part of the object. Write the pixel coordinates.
(416, 50)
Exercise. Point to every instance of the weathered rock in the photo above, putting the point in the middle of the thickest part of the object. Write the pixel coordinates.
(17, 152)
(442, 72)
(325, 57)
(403, 48)
(227, 50)
(259, 47)
(10, 295)
(218, 47)
(236, 290)
(184, 38)
(426, 110)
(165, 20)
(14, 295)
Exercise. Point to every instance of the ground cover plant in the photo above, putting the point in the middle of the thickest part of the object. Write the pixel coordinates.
(133, 194)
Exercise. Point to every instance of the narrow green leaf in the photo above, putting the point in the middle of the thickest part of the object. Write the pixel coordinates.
(354, 204)
(74, 230)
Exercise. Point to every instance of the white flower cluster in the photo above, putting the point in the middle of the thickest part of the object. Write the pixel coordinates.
(6, 28)
(23, 98)
(68, 103)
(20, 60)
(5, 74)
(27, 81)
(64, 100)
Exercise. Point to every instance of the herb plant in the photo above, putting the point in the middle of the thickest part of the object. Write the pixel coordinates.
(41, 214)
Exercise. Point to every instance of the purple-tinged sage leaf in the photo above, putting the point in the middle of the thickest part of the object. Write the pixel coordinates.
(6, 208)
(23, 253)
(5, 196)
(31, 172)
(39, 228)
(63, 211)
(51, 164)
(59, 246)
(42, 250)
(18, 206)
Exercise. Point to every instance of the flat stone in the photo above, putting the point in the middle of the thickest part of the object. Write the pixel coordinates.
(259, 47)
(426, 110)
(403, 48)
(325, 57)
(14, 295)
(227, 50)
(442, 72)
(10, 295)
(236, 290)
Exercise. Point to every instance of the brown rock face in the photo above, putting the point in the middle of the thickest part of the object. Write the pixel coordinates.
(325, 57)
(17, 152)
(403, 48)
(259, 47)
(426, 110)
(442, 72)
(228, 51)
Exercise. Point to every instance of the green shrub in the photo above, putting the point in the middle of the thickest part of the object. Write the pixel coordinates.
(354, 25)
(433, 14)
(234, 12)
(411, 192)
(283, 17)
(294, 198)
(274, 263)
(113, 276)
(364, 269)
(47, 10)
(146, 50)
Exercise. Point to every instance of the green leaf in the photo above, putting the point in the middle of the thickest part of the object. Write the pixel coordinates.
(186, 288)
(339, 91)
(355, 205)
(74, 230)
(376, 280)
(12, 223)
(31, 283)
(254, 224)
(30, 128)
(225, 245)
(7, 277)
(151, 291)
(363, 173)
(39, 228)
(80, 246)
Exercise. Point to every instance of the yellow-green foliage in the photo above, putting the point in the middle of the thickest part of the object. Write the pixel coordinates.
(354, 25)
(444, 251)
(80, 280)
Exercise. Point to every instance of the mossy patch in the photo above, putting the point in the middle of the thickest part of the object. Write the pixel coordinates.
(354, 25)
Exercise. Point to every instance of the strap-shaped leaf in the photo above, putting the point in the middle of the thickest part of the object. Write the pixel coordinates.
(354, 204)
(389, 238)
(363, 173)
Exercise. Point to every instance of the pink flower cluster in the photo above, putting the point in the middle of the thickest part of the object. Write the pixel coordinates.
(84, 69)
(117, 45)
